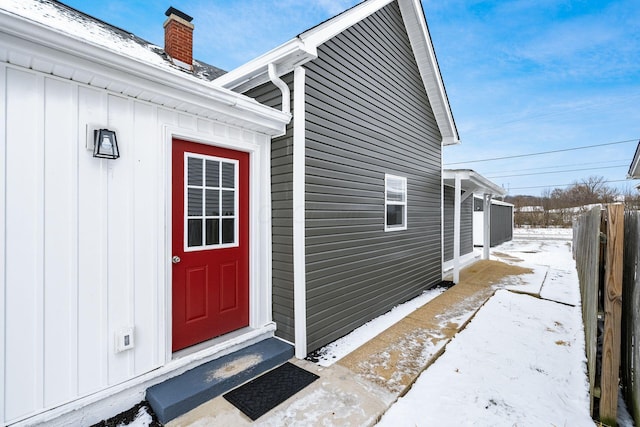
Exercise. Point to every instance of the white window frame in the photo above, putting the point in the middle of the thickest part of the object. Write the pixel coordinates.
(388, 202)
(236, 242)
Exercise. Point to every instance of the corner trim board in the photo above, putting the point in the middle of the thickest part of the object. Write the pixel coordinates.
(299, 257)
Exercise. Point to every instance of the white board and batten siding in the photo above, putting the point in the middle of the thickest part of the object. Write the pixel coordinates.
(85, 238)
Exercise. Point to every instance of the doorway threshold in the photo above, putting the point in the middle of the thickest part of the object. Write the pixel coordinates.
(214, 342)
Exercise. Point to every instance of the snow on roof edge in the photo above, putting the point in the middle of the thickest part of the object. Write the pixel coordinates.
(92, 31)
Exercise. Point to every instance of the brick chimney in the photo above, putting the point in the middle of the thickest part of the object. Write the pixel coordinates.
(178, 38)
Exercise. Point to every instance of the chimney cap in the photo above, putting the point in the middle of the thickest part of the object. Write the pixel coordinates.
(178, 13)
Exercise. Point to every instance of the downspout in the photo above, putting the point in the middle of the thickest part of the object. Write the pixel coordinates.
(284, 88)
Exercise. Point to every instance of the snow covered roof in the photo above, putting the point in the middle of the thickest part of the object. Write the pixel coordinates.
(93, 31)
(49, 37)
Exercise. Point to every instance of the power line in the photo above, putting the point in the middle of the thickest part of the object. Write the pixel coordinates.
(543, 152)
(562, 171)
(557, 166)
(564, 185)
(554, 114)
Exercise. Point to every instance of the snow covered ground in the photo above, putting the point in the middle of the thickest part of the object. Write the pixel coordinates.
(519, 362)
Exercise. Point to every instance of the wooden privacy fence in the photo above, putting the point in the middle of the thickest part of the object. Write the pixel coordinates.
(605, 247)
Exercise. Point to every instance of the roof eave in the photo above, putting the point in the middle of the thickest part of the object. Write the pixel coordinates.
(450, 140)
(296, 51)
(32, 44)
(423, 49)
(255, 72)
(473, 181)
(304, 48)
(634, 169)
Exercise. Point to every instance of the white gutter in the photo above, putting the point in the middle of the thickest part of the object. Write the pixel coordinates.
(256, 72)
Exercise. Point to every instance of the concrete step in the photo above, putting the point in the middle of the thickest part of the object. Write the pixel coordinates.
(180, 394)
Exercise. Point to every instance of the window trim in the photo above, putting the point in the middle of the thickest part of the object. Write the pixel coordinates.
(221, 245)
(388, 202)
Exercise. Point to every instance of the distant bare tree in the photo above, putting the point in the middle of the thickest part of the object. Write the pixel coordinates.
(631, 198)
(558, 206)
(589, 191)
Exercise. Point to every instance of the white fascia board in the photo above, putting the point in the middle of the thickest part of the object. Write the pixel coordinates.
(487, 185)
(450, 174)
(634, 169)
(472, 181)
(422, 46)
(328, 29)
(297, 51)
(24, 42)
(501, 203)
(256, 72)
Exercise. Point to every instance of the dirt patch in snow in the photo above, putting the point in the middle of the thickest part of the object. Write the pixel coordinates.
(395, 357)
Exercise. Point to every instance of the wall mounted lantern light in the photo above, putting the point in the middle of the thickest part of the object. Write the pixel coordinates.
(105, 144)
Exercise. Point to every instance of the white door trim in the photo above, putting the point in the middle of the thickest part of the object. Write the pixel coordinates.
(260, 261)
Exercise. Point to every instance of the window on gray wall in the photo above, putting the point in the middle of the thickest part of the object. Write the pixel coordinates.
(395, 203)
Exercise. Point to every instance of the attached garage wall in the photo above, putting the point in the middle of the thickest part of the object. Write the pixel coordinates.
(466, 224)
(367, 115)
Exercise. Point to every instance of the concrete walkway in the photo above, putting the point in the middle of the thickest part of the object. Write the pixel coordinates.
(360, 387)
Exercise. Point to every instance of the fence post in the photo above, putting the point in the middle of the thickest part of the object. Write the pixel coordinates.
(630, 362)
(612, 314)
(586, 242)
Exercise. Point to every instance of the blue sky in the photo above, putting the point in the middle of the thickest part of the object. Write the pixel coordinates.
(522, 76)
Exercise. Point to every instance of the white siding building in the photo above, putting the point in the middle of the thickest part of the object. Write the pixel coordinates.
(86, 253)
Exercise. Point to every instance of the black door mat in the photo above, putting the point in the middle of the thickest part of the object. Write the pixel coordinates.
(264, 393)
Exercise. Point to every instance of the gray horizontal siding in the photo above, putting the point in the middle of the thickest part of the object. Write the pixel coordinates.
(282, 214)
(501, 224)
(466, 224)
(367, 115)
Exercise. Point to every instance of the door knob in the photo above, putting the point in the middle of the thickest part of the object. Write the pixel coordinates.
(175, 259)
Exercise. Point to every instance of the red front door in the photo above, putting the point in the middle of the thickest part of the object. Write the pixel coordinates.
(210, 242)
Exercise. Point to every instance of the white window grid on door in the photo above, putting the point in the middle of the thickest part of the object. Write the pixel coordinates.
(221, 190)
